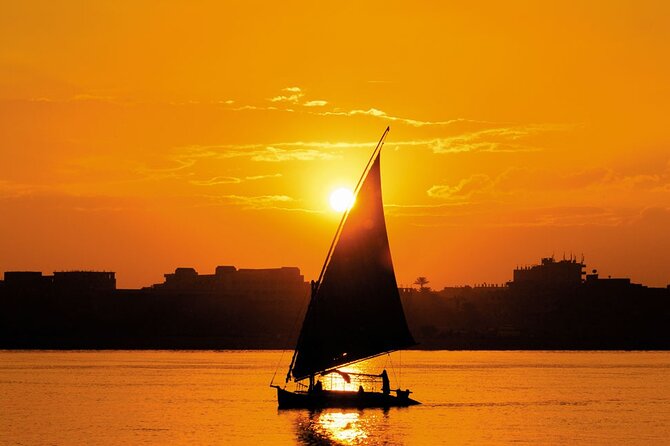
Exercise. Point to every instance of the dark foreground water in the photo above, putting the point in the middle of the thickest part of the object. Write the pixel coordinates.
(162, 398)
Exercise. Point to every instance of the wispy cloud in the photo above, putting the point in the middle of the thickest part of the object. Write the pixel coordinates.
(291, 94)
(464, 189)
(258, 107)
(291, 98)
(374, 112)
(218, 180)
(317, 103)
(263, 177)
(275, 154)
(84, 97)
(259, 199)
(598, 182)
(501, 139)
(469, 214)
(260, 202)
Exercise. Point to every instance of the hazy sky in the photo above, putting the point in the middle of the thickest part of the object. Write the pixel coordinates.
(142, 136)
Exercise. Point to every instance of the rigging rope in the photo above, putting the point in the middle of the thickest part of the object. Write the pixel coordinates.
(292, 332)
(395, 377)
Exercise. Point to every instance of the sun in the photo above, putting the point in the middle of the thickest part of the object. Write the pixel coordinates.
(341, 199)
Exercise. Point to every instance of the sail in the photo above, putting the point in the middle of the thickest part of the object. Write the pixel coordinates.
(356, 312)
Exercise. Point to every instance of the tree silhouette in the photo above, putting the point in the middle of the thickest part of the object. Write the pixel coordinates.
(422, 282)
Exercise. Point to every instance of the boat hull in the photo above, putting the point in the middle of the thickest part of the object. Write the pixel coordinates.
(339, 399)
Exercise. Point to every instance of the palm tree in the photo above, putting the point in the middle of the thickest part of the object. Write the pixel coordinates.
(422, 282)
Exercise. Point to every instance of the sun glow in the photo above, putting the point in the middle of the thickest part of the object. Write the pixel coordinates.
(343, 427)
(341, 199)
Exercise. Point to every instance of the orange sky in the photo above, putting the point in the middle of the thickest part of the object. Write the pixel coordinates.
(141, 138)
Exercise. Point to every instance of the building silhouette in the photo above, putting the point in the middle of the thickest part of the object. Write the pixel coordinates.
(61, 280)
(551, 305)
(257, 284)
(550, 273)
(232, 308)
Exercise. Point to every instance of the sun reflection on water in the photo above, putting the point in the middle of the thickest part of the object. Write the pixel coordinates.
(349, 427)
(335, 381)
(335, 428)
(343, 427)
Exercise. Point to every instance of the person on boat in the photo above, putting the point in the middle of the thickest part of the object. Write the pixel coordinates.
(403, 394)
(314, 285)
(386, 384)
(361, 389)
(318, 387)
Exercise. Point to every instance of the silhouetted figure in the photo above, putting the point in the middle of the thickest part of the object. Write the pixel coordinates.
(318, 387)
(402, 394)
(361, 389)
(386, 384)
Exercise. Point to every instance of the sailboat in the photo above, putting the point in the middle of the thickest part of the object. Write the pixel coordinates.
(354, 312)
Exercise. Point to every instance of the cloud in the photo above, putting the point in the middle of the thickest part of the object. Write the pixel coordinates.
(275, 154)
(328, 150)
(231, 180)
(464, 189)
(658, 216)
(317, 103)
(256, 107)
(291, 98)
(518, 197)
(259, 202)
(567, 216)
(497, 214)
(521, 178)
(84, 97)
(260, 199)
(294, 94)
(263, 177)
(515, 180)
(217, 181)
(598, 179)
(374, 112)
(501, 139)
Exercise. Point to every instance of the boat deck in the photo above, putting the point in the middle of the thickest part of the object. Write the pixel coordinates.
(340, 399)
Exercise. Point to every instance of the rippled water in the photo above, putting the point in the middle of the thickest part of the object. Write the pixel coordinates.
(158, 398)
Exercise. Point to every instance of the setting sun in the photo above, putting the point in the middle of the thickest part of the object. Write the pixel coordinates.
(341, 199)
(195, 129)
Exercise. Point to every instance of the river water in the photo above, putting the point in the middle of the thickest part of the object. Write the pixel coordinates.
(209, 397)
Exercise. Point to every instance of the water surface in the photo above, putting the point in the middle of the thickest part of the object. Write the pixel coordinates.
(159, 398)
